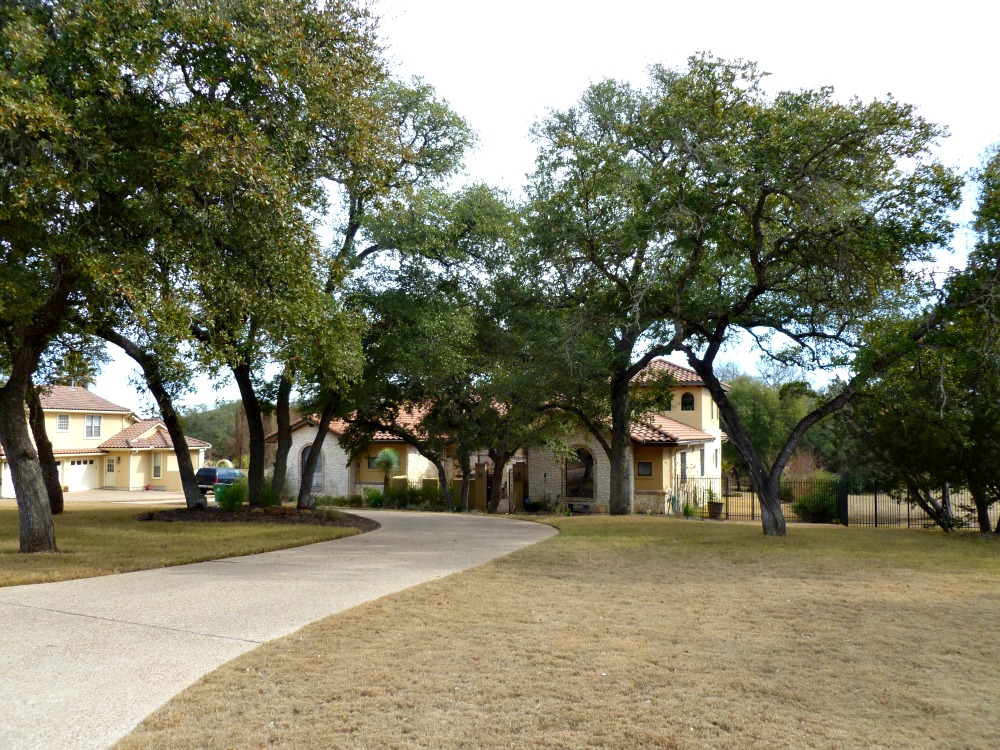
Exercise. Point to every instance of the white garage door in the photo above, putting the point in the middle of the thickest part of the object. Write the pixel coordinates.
(79, 473)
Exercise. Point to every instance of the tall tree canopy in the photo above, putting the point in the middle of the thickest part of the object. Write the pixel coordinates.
(162, 163)
(703, 209)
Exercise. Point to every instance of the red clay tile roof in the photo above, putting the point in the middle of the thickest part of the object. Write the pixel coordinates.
(407, 419)
(681, 375)
(77, 451)
(149, 433)
(66, 398)
(655, 429)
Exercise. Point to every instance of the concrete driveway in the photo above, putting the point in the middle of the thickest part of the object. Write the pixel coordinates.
(83, 662)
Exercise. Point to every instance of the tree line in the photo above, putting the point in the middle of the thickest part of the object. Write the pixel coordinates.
(245, 189)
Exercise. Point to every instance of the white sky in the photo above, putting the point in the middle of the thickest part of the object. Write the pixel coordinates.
(503, 65)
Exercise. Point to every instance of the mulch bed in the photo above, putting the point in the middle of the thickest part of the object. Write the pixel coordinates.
(262, 515)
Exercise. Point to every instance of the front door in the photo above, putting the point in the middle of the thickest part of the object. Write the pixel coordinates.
(109, 472)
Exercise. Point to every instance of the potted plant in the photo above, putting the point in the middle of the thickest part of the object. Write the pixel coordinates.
(715, 506)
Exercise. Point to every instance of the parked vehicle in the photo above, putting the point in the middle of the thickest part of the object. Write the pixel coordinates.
(209, 476)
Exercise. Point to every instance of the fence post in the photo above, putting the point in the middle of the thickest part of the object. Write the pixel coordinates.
(842, 503)
(876, 507)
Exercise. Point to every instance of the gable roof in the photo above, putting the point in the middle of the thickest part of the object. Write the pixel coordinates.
(656, 429)
(68, 398)
(147, 434)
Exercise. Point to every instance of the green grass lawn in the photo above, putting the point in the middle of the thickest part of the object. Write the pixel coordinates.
(97, 539)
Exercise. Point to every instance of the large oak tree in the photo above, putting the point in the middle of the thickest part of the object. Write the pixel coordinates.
(703, 209)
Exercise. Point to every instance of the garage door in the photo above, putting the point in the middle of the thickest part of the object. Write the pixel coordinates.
(79, 473)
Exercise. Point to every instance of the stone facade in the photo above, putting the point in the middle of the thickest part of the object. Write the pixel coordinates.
(335, 475)
(547, 473)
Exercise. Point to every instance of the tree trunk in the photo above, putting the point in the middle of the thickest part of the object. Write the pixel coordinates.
(499, 459)
(923, 497)
(772, 518)
(283, 418)
(193, 497)
(34, 516)
(982, 503)
(46, 456)
(620, 502)
(464, 488)
(443, 481)
(255, 431)
(36, 531)
(464, 461)
(305, 500)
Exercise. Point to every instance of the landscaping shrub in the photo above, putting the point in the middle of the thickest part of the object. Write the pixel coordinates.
(534, 506)
(373, 498)
(818, 506)
(268, 496)
(234, 496)
(785, 492)
(330, 512)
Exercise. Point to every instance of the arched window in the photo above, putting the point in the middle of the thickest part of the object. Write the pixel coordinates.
(687, 402)
(580, 474)
(317, 478)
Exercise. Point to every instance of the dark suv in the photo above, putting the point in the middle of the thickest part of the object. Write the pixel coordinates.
(210, 476)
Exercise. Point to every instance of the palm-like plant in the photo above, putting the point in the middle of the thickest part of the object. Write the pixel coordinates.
(387, 461)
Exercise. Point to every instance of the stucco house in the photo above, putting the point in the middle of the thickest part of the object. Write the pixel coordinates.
(99, 444)
(676, 455)
(336, 473)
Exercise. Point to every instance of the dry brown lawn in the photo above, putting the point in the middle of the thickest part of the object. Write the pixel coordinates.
(637, 633)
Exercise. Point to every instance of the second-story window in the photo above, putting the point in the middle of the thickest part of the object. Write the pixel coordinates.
(687, 402)
(92, 426)
(62, 423)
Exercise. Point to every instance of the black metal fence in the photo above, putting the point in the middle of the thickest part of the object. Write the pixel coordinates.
(851, 503)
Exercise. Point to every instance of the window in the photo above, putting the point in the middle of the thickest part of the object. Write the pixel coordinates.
(92, 426)
(645, 469)
(157, 465)
(109, 467)
(684, 467)
(371, 463)
(703, 462)
(317, 477)
(687, 402)
(713, 410)
(670, 403)
(716, 458)
(62, 423)
(580, 474)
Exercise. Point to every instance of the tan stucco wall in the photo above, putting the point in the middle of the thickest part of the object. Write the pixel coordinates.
(111, 425)
(374, 476)
(653, 454)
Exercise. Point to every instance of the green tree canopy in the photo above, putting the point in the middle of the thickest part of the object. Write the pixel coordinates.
(703, 208)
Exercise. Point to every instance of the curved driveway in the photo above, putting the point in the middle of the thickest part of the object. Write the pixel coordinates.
(84, 661)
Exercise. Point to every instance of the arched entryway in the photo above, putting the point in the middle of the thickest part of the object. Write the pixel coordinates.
(580, 475)
(317, 477)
